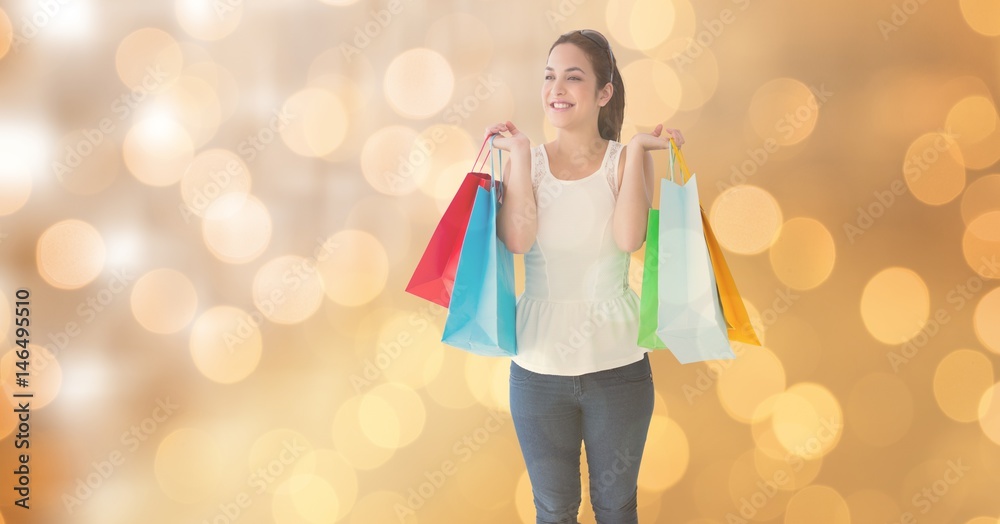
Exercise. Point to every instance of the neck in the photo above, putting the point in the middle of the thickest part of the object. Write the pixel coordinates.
(581, 146)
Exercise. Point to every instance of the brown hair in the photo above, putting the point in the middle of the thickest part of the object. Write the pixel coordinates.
(611, 116)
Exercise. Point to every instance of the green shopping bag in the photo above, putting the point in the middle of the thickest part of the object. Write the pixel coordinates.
(650, 283)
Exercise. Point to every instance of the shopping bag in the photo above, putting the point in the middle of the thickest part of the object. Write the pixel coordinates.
(737, 319)
(481, 314)
(690, 321)
(650, 279)
(434, 276)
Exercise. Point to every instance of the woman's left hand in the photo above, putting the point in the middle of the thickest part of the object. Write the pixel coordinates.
(658, 139)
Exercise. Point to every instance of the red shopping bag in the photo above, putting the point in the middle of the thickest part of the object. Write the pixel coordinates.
(434, 277)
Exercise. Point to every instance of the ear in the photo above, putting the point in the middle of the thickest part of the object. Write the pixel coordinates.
(606, 94)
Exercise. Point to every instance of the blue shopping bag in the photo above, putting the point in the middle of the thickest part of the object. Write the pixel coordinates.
(690, 319)
(481, 314)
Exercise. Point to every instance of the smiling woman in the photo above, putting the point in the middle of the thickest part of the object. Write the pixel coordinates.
(576, 207)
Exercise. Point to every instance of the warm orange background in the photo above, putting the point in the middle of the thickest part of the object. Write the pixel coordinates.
(217, 204)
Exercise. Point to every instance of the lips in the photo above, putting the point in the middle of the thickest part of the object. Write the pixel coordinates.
(560, 105)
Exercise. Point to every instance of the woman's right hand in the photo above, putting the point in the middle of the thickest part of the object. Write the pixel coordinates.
(517, 139)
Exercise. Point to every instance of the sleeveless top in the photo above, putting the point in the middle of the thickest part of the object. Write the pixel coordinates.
(578, 313)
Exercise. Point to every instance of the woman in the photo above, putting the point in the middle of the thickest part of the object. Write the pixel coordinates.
(576, 207)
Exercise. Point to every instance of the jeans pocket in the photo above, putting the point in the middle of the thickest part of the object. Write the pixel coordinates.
(638, 371)
(519, 374)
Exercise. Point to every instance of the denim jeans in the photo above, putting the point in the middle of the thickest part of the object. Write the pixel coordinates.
(609, 412)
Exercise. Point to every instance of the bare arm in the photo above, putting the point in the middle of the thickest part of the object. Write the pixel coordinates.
(517, 217)
(635, 196)
(635, 193)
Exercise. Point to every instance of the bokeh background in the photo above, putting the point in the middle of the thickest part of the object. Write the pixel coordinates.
(216, 206)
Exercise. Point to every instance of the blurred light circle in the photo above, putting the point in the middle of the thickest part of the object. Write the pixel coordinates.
(477, 485)
(163, 301)
(654, 91)
(279, 452)
(803, 255)
(665, 457)
(408, 349)
(305, 499)
(15, 188)
(87, 164)
(817, 504)
(981, 196)
(972, 119)
(188, 465)
(354, 266)
(699, 79)
(938, 474)
(418, 83)
(989, 413)
(70, 254)
(482, 375)
(709, 491)
(237, 228)
(452, 146)
(960, 380)
(347, 75)
(895, 305)
(44, 380)
(331, 466)
(6, 314)
(881, 409)
(147, 60)
(449, 388)
(871, 505)
(339, 3)
(317, 123)
(157, 150)
(983, 16)
(349, 437)
(794, 473)
(6, 37)
(193, 104)
(395, 160)
(446, 184)
(784, 110)
(380, 506)
(754, 376)
(748, 491)
(807, 420)
(224, 86)
(639, 24)
(984, 320)
(212, 174)
(288, 289)
(981, 244)
(208, 20)
(745, 219)
(226, 344)
(933, 169)
(476, 51)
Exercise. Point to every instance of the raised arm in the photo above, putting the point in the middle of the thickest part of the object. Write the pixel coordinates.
(517, 218)
(635, 193)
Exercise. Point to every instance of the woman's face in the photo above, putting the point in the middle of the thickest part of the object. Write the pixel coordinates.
(569, 92)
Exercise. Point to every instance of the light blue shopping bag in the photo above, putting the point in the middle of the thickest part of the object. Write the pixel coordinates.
(690, 320)
(481, 314)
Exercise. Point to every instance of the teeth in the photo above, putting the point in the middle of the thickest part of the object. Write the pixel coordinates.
(560, 105)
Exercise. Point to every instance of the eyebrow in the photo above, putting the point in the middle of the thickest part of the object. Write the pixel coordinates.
(547, 68)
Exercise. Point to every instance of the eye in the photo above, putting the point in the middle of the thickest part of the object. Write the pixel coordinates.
(548, 77)
(574, 78)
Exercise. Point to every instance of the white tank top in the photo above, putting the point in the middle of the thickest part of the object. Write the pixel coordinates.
(577, 314)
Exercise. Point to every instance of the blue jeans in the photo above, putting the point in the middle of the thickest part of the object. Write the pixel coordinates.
(609, 412)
